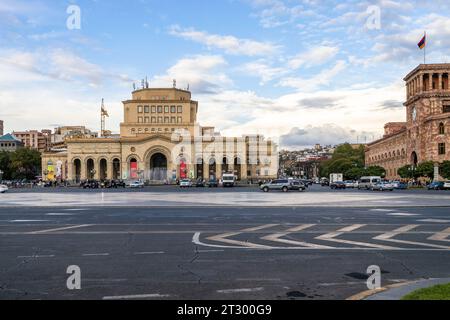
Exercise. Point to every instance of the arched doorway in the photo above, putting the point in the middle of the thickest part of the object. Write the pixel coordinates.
(225, 166)
(116, 169)
(237, 168)
(103, 169)
(90, 169)
(77, 170)
(158, 167)
(199, 168)
(414, 159)
(212, 168)
(133, 168)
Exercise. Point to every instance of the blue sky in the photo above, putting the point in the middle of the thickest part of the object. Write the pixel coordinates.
(323, 71)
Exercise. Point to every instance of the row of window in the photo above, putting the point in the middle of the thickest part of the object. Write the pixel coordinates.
(441, 151)
(7, 144)
(160, 109)
(141, 130)
(172, 120)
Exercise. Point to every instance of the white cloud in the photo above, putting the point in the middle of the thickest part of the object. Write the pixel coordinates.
(230, 44)
(315, 56)
(261, 69)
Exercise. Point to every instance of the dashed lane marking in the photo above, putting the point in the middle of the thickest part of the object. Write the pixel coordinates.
(138, 296)
(389, 235)
(441, 236)
(224, 237)
(37, 256)
(332, 237)
(435, 220)
(95, 254)
(240, 290)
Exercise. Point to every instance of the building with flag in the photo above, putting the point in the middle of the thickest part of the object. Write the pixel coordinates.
(425, 135)
(161, 141)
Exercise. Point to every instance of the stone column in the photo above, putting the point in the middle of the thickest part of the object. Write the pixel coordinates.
(421, 83)
(109, 170)
(97, 170)
(218, 170)
(439, 86)
(83, 174)
(430, 79)
(70, 171)
(206, 169)
(243, 170)
(436, 172)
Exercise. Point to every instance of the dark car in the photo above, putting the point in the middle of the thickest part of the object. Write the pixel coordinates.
(337, 185)
(298, 185)
(200, 183)
(213, 183)
(436, 185)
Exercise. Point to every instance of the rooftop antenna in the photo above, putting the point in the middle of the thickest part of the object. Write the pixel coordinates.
(143, 83)
(188, 87)
(146, 82)
(134, 86)
(174, 83)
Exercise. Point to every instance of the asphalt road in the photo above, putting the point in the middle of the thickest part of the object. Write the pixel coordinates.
(235, 252)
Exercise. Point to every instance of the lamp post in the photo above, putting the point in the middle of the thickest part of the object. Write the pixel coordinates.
(1, 175)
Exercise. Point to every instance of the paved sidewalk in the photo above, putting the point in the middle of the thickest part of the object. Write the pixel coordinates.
(399, 292)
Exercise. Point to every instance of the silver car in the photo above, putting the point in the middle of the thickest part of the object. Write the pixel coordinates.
(279, 184)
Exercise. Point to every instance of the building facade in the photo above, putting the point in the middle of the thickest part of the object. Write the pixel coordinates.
(9, 142)
(1, 128)
(33, 139)
(425, 136)
(161, 141)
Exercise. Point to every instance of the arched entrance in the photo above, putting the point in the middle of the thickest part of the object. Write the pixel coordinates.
(237, 168)
(116, 169)
(212, 168)
(158, 167)
(225, 166)
(133, 168)
(103, 169)
(77, 170)
(90, 169)
(414, 159)
(199, 168)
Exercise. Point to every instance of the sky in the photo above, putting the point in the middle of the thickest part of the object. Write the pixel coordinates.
(298, 71)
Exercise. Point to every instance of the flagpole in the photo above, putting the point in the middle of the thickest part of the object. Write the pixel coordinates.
(425, 51)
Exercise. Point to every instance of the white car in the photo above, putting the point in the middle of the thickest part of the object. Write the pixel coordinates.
(447, 185)
(3, 188)
(136, 184)
(350, 184)
(185, 183)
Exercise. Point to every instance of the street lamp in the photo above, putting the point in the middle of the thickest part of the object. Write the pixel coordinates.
(1, 175)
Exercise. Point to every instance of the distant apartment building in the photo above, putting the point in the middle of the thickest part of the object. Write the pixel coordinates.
(33, 139)
(58, 138)
(1, 127)
(9, 142)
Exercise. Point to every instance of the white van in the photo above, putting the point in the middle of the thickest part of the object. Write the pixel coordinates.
(368, 182)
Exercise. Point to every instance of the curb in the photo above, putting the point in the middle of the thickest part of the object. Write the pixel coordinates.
(365, 294)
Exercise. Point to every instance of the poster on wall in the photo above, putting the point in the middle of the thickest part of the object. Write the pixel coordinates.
(59, 169)
(50, 171)
(183, 170)
(133, 170)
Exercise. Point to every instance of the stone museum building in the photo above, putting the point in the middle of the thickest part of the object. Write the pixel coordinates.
(425, 136)
(161, 141)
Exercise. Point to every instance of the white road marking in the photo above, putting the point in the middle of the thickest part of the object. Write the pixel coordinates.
(28, 220)
(59, 229)
(224, 237)
(144, 253)
(205, 251)
(389, 235)
(38, 256)
(332, 235)
(276, 238)
(435, 220)
(403, 214)
(94, 254)
(137, 296)
(76, 209)
(241, 290)
(59, 214)
(382, 210)
(441, 236)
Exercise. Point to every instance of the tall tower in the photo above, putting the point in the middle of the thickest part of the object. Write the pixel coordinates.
(428, 113)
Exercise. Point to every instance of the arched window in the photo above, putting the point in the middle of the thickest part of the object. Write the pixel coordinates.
(441, 128)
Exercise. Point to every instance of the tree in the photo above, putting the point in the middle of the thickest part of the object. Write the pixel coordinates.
(25, 164)
(375, 171)
(445, 169)
(354, 173)
(425, 169)
(5, 165)
(405, 172)
(344, 159)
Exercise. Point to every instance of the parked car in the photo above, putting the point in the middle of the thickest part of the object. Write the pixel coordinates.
(350, 184)
(3, 188)
(337, 185)
(447, 185)
(89, 184)
(436, 185)
(185, 183)
(200, 183)
(213, 183)
(297, 185)
(278, 184)
(382, 186)
(399, 185)
(368, 182)
(136, 185)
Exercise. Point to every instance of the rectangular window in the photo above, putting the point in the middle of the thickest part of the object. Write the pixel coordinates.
(160, 119)
(180, 109)
(173, 109)
(139, 119)
(146, 119)
(179, 120)
(166, 119)
(140, 109)
(153, 119)
(146, 109)
(166, 109)
(173, 120)
(160, 109)
(446, 108)
(441, 148)
(153, 109)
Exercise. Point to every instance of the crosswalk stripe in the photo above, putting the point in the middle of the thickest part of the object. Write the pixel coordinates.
(276, 238)
(332, 237)
(389, 235)
(441, 236)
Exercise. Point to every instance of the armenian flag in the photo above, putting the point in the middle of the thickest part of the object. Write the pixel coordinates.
(423, 42)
